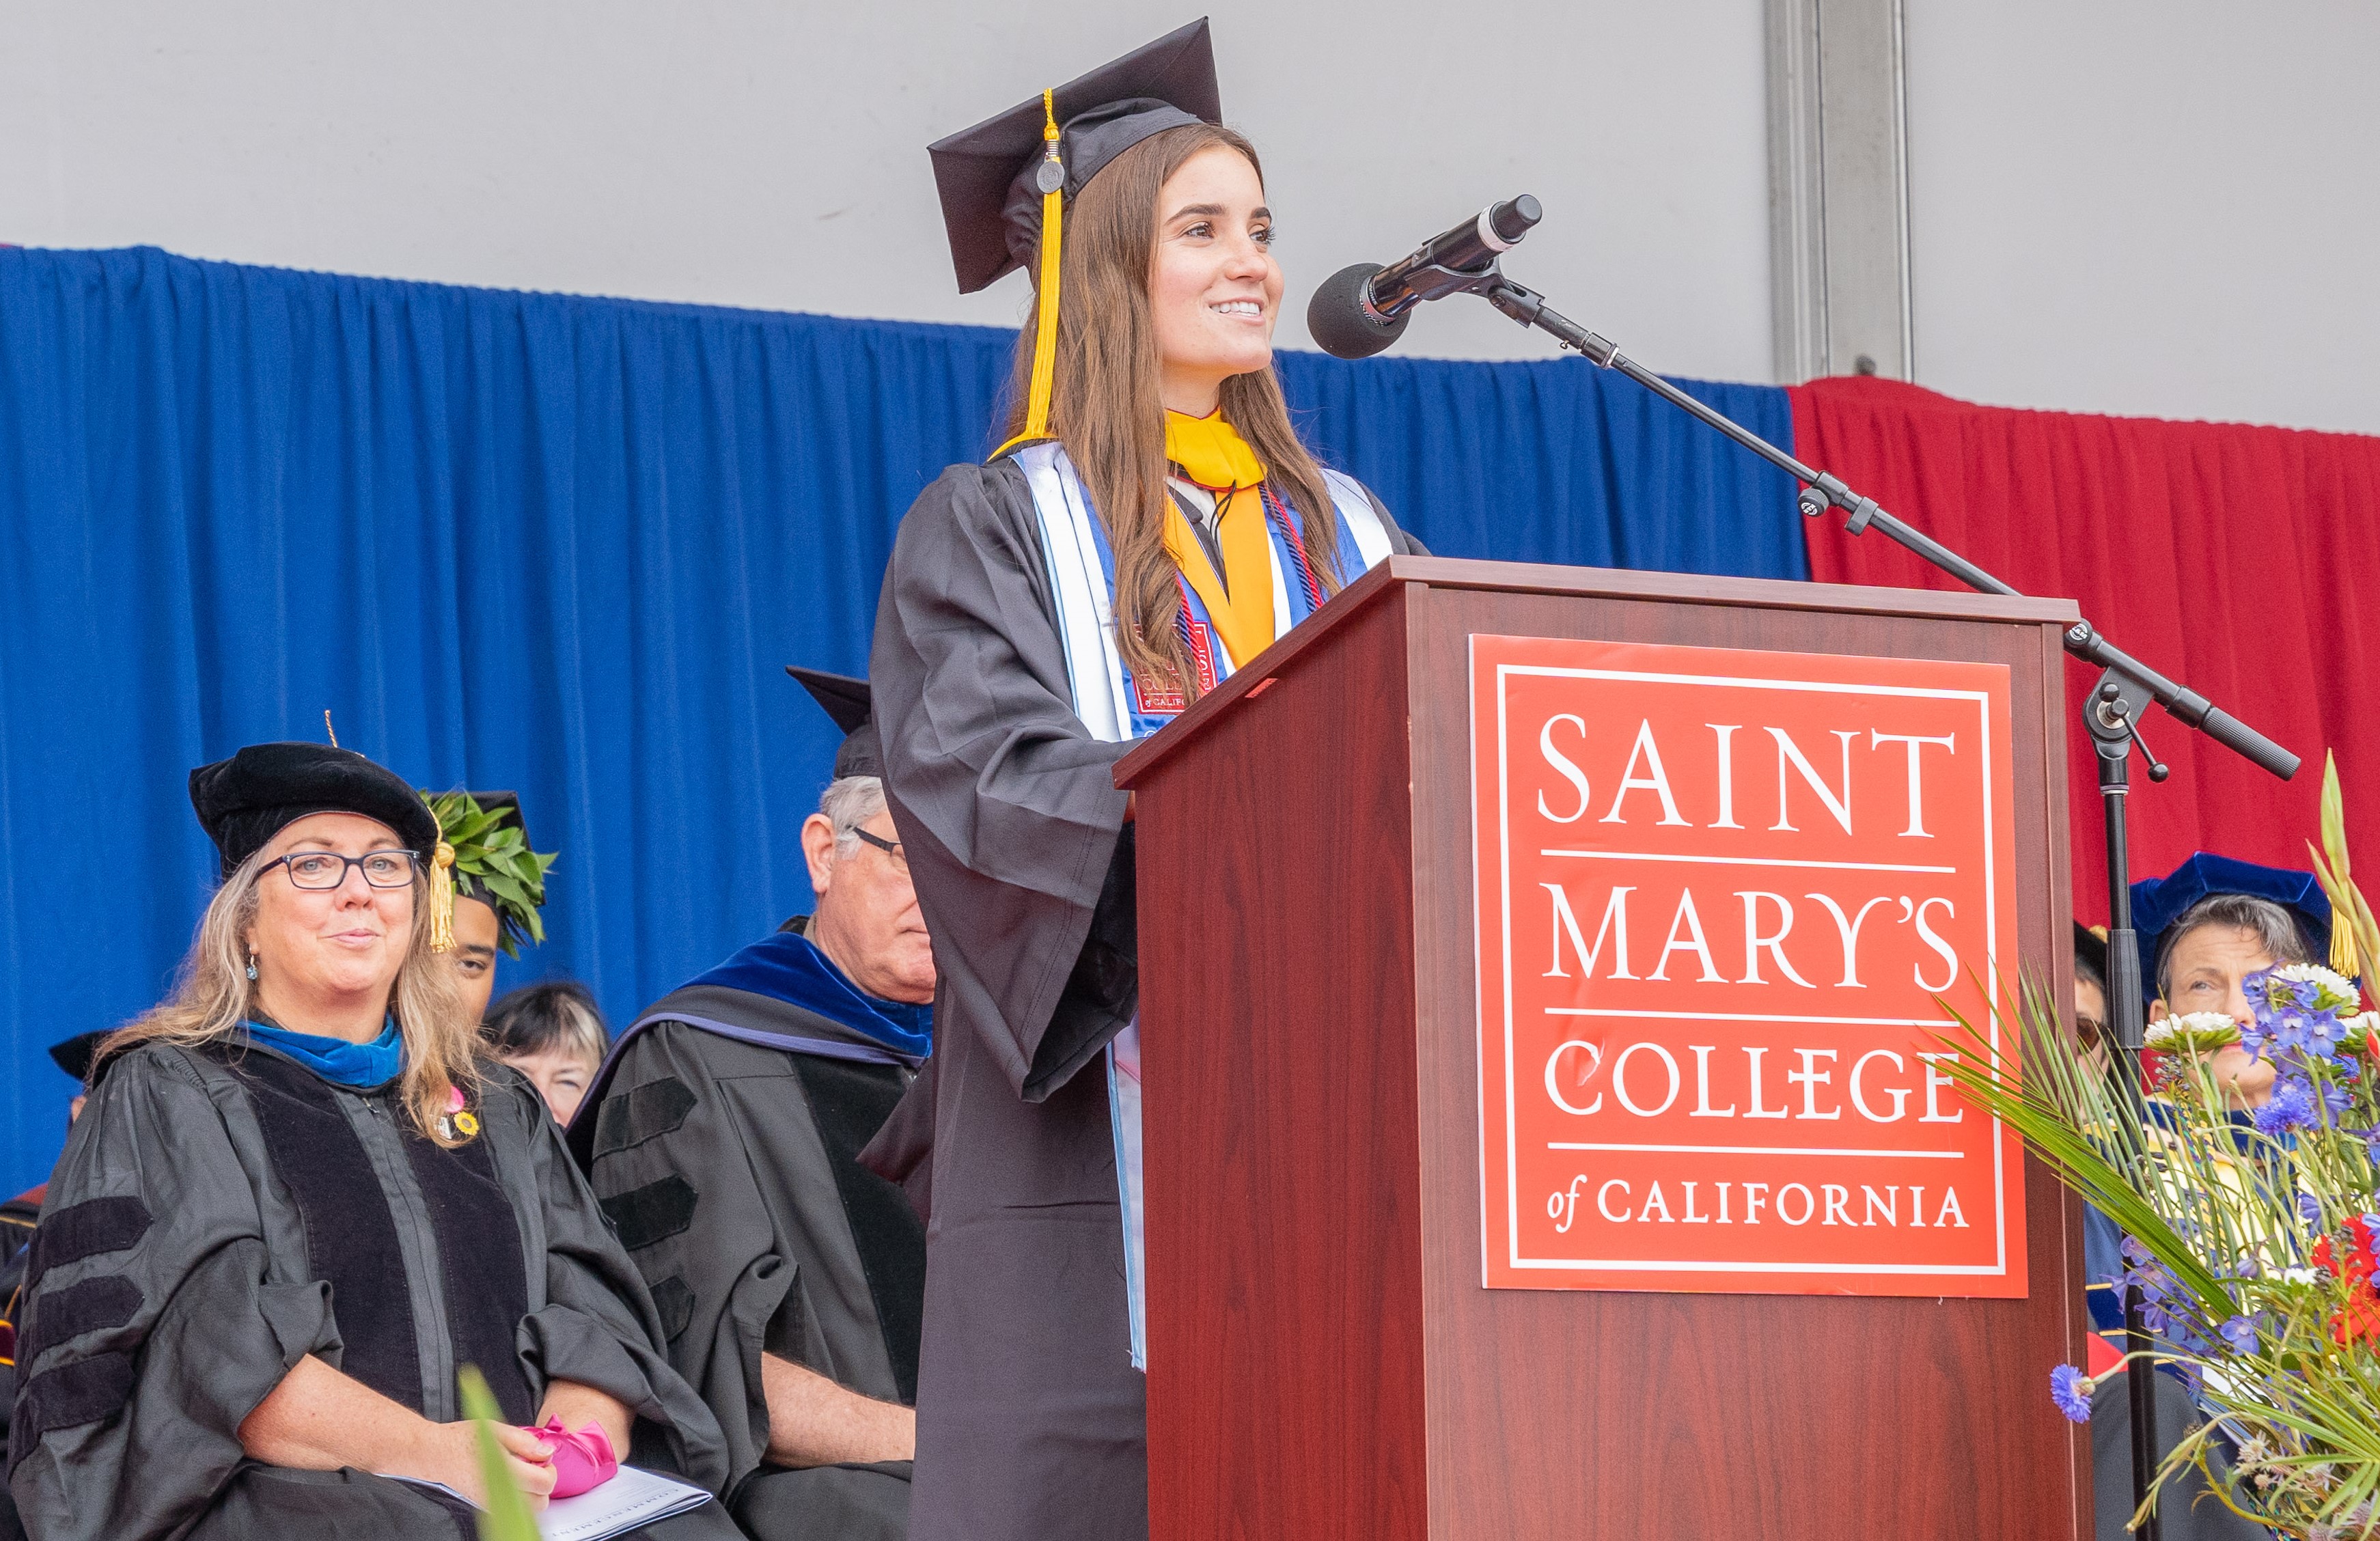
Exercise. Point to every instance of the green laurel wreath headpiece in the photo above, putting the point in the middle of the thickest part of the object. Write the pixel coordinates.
(493, 864)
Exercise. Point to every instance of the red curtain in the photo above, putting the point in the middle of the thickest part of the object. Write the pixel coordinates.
(2243, 561)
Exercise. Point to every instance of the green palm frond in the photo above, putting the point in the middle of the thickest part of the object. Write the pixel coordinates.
(507, 1516)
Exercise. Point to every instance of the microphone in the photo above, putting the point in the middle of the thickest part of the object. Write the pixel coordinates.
(1362, 309)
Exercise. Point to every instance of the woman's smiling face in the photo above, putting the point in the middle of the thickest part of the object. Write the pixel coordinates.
(1214, 289)
(314, 947)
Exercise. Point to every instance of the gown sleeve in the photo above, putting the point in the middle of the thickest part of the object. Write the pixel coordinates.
(154, 1320)
(1008, 805)
(599, 1326)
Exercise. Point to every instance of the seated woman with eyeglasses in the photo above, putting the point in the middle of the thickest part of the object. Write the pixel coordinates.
(298, 1202)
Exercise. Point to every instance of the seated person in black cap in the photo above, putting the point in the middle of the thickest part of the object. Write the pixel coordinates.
(17, 1218)
(297, 1201)
(723, 1135)
(498, 885)
(1152, 524)
(2208, 925)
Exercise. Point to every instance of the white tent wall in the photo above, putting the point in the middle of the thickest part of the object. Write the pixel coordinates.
(738, 153)
(2140, 206)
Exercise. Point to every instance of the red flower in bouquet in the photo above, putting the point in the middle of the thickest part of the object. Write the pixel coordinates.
(2358, 1320)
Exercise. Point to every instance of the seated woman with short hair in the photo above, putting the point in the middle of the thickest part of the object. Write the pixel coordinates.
(552, 1033)
(300, 1201)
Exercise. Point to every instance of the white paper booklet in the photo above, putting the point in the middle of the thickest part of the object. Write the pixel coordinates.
(633, 1498)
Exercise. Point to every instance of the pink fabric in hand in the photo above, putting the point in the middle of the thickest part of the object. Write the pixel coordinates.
(581, 1461)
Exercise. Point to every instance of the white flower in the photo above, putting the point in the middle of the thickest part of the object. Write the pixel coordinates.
(2194, 1033)
(2336, 992)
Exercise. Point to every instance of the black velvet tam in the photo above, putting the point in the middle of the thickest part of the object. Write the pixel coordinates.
(853, 707)
(245, 801)
(991, 204)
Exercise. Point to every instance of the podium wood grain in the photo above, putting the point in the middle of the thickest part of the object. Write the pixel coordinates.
(1323, 1360)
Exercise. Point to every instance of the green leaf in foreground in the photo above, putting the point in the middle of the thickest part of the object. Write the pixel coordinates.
(507, 1516)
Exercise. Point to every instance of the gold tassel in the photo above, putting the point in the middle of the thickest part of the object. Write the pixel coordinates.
(1045, 336)
(442, 899)
(2342, 945)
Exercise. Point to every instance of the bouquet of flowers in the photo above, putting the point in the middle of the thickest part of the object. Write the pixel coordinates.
(2252, 1239)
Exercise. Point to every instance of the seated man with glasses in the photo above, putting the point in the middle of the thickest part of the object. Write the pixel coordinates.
(723, 1136)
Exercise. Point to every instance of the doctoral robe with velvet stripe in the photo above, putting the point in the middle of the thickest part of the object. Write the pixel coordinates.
(1031, 1421)
(221, 1213)
(728, 1165)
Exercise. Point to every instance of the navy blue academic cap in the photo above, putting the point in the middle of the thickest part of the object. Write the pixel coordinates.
(2157, 902)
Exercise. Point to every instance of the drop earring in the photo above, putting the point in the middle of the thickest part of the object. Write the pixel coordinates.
(251, 969)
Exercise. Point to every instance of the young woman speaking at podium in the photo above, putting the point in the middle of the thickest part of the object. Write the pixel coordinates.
(1151, 524)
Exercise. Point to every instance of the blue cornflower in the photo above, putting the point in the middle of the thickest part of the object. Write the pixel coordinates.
(2291, 1108)
(2240, 1333)
(2071, 1390)
(2336, 1098)
(2309, 1208)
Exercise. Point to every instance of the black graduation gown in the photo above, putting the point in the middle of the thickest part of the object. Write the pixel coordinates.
(220, 1213)
(730, 1170)
(1031, 1421)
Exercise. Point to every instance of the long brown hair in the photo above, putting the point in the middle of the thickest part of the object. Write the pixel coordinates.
(213, 996)
(1105, 407)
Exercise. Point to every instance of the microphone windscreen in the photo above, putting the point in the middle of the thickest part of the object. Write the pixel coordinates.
(1339, 324)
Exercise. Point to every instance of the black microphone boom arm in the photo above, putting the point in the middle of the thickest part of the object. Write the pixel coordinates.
(1821, 490)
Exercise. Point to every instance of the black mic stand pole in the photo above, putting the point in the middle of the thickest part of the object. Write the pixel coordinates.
(2112, 716)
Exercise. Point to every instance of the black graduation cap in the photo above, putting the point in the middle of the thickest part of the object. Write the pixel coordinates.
(2157, 902)
(497, 802)
(992, 203)
(245, 801)
(852, 705)
(74, 1055)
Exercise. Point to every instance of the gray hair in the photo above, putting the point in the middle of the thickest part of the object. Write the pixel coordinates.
(849, 802)
(2274, 927)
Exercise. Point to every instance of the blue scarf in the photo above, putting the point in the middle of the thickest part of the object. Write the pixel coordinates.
(789, 968)
(361, 1066)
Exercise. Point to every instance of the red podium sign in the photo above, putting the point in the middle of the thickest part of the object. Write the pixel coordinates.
(1720, 892)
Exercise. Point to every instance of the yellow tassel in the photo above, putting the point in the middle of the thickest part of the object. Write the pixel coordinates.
(442, 899)
(1045, 336)
(2342, 945)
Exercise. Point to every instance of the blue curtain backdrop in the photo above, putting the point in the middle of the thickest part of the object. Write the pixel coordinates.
(563, 546)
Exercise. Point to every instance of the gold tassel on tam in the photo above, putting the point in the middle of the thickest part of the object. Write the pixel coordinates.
(442, 899)
(1052, 183)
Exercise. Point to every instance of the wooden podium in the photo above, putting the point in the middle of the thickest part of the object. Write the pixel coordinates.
(1324, 1360)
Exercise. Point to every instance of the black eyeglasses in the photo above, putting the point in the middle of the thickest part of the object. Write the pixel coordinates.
(889, 848)
(328, 869)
